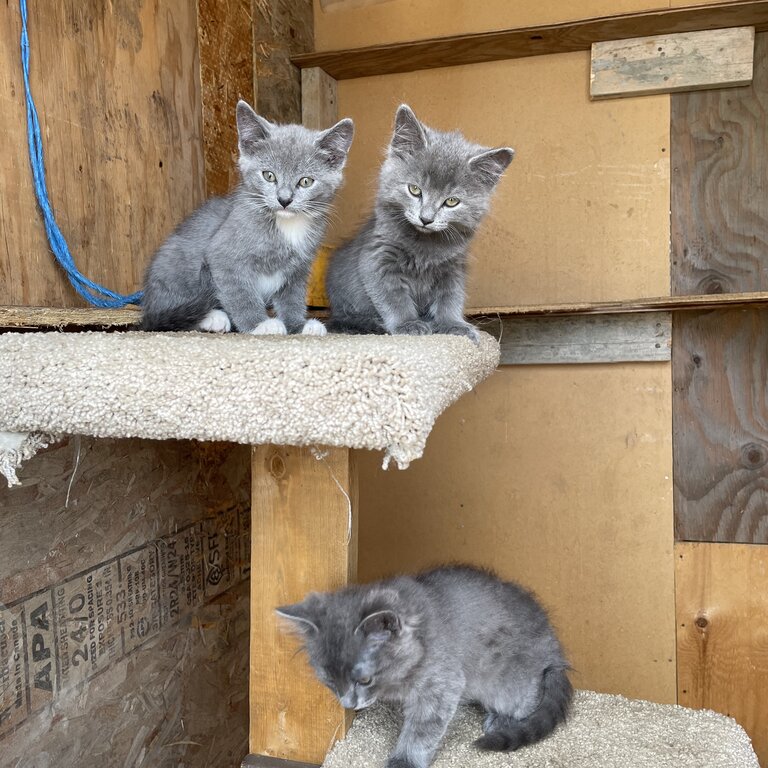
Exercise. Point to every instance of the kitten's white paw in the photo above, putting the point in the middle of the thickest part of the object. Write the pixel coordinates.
(216, 321)
(314, 328)
(270, 327)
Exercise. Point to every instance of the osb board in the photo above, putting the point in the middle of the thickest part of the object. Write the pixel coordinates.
(560, 477)
(581, 215)
(179, 701)
(110, 551)
(118, 93)
(355, 23)
(226, 73)
(720, 172)
(720, 406)
(722, 633)
(281, 29)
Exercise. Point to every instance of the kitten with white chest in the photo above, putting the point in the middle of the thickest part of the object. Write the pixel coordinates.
(405, 271)
(239, 255)
(432, 641)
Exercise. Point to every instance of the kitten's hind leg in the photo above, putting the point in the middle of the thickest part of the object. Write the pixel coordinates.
(216, 321)
(526, 724)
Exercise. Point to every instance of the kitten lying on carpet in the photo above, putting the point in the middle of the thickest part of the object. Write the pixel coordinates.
(405, 271)
(237, 255)
(431, 641)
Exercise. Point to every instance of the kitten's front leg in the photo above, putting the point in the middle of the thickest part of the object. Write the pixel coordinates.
(240, 299)
(447, 308)
(426, 720)
(388, 291)
(290, 304)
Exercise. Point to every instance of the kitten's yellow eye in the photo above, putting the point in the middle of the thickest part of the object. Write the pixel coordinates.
(452, 202)
(306, 182)
(414, 190)
(269, 176)
(365, 681)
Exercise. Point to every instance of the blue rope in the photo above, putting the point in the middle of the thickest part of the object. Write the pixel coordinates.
(90, 291)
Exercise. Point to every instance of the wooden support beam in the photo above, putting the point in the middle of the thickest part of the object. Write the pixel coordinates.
(722, 626)
(584, 339)
(304, 538)
(532, 41)
(690, 61)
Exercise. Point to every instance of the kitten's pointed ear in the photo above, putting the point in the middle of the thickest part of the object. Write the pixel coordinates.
(301, 619)
(334, 143)
(491, 164)
(409, 134)
(251, 128)
(379, 622)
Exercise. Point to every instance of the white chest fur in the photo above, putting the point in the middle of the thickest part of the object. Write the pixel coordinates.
(269, 285)
(294, 227)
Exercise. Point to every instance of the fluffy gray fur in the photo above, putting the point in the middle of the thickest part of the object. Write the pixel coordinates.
(431, 641)
(405, 271)
(238, 255)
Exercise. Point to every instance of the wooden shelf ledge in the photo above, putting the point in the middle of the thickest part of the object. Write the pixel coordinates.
(531, 41)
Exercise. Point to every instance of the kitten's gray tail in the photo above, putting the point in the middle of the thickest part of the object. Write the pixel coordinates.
(505, 733)
(162, 311)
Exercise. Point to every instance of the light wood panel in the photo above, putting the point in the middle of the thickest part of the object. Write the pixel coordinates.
(720, 374)
(226, 73)
(422, 50)
(690, 61)
(559, 476)
(722, 633)
(304, 532)
(719, 206)
(582, 213)
(118, 93)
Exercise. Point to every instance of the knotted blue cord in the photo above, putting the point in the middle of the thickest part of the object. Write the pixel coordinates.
(90, 291)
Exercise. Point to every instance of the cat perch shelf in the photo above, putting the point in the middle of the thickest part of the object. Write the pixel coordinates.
(302, 402)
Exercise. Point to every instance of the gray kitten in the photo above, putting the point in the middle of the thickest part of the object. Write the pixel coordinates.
(237, 255)
(405, 271)
(429, 642)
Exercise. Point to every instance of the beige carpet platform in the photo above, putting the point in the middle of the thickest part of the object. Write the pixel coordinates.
(377, 392)
(603, 732)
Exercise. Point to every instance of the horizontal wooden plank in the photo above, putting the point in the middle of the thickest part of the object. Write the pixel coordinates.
(689, 61)
(584, 339)
(655, 304)
(532, 41)
(61, 317)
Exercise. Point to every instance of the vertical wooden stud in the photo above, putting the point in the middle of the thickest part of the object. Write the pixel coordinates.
(304, 538)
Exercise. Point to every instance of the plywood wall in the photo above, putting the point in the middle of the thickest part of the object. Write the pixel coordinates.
(118, 92)
(583, 211)
(353, 23)
(560, 477)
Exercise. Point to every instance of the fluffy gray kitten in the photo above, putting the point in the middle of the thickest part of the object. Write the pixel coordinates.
(237, 255)
(434, 640)
(405, 271)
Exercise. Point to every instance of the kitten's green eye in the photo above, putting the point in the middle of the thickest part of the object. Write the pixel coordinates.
(269, 176)
(365, 681)
(451, 202)
(306, 182)
(414, 190)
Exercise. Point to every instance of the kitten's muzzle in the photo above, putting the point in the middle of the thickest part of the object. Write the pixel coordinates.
(284, 198)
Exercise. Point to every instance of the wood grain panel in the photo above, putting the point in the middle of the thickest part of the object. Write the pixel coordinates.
(720, 373)
(719, 178)
(304, 538)
(689, 61)
(226, 73)
(722, 633)
(281, 29)
(118, 93)
(563, 37)
(560, 477)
